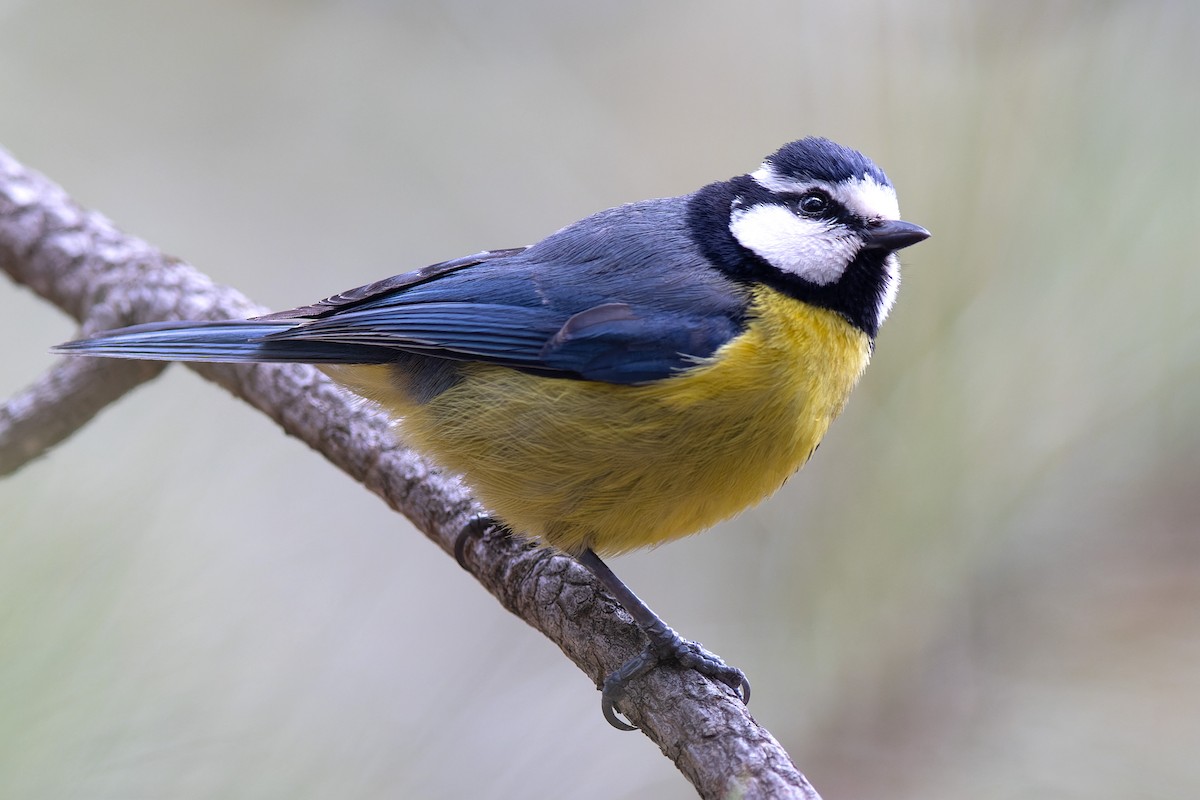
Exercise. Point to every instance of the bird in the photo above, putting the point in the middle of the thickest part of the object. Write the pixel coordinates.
(635, 377)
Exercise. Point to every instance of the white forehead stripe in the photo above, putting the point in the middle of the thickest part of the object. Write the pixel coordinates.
(766, 177)
(863, 196)
(805, 247)
(868, 198)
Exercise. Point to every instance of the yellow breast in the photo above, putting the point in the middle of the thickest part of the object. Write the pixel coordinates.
(586, 464)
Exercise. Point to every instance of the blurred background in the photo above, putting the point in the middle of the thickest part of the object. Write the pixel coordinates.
(986, 585)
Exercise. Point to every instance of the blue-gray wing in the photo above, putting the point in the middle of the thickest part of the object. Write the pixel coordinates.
(621, 297)
(351, 298)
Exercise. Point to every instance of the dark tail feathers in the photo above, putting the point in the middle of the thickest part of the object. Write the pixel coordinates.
(227, 341)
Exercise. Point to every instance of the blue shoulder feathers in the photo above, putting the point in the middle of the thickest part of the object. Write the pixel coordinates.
(623, 297)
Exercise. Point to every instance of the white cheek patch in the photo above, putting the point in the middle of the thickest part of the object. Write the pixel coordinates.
(808, 248)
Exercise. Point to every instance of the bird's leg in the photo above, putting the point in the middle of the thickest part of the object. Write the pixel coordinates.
(665, 644)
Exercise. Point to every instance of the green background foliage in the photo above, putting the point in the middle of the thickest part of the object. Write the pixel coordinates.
(985, 585)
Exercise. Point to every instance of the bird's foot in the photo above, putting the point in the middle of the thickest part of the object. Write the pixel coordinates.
(666, 645)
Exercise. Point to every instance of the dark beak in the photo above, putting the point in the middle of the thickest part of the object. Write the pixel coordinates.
(892, 234)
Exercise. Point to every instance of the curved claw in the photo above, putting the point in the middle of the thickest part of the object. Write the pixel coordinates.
(732, 677)
(610, 714)
(614, 685)
(475, 528)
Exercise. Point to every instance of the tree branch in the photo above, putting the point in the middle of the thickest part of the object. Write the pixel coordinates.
(80, 262)
(60, 403)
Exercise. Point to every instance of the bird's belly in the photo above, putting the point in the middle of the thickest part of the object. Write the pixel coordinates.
(587, 464)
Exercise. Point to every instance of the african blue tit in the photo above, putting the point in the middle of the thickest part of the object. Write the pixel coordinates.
(635, 377)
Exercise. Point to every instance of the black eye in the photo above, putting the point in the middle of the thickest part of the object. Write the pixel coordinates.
(813, 204)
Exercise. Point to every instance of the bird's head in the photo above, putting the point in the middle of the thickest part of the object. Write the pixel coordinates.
(817, 221)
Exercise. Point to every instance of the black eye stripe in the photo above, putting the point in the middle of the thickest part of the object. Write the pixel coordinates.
(814, 203)
(832, 210)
